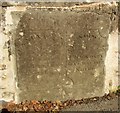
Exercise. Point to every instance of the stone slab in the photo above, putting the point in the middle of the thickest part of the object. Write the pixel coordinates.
(61, 52)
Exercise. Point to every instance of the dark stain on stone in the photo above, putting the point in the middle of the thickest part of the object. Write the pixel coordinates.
(9, 50)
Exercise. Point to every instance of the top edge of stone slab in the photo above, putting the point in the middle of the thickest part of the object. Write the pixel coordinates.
(56, 4)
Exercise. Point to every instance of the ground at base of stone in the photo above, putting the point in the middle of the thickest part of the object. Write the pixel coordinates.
(108, 102)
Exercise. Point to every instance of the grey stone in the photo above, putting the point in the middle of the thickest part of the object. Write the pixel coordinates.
(60, 54)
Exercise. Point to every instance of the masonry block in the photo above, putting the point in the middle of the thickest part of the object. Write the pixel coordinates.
(62, 53)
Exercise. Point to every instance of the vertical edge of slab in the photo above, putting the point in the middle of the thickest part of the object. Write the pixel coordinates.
(8, 84)
(112, 61)
(7, 78)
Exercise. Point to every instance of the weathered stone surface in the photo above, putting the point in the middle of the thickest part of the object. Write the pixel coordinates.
(7, 84)
(60, 51)
(60, 54)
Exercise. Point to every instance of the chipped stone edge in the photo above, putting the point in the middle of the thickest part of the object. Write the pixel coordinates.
(111, 63)
(9, 90)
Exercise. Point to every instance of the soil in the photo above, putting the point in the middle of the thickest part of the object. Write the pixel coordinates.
(106, 103)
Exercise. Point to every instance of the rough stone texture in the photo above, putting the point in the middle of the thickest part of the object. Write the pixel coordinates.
(61, 54)
(61, 51)
(7, 86)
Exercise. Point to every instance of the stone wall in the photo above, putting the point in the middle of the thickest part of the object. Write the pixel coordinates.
(58, 51)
